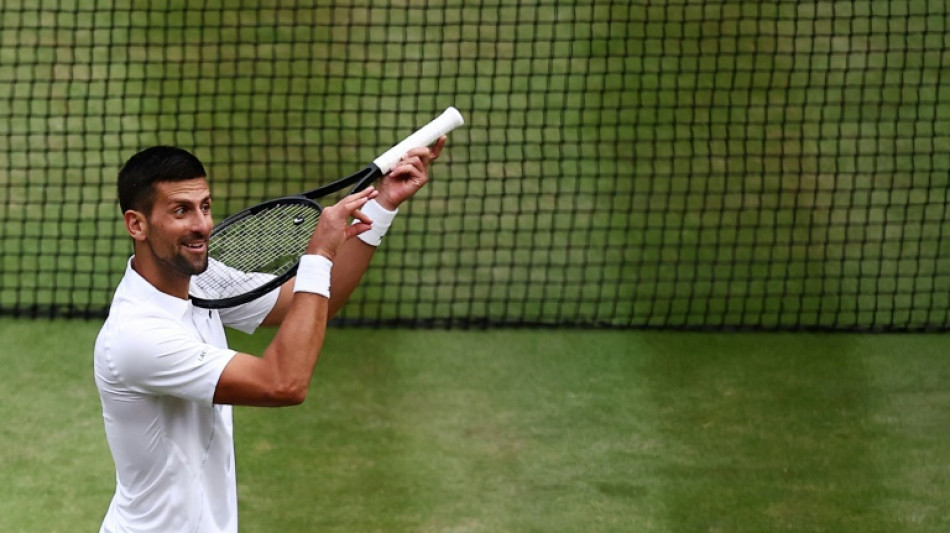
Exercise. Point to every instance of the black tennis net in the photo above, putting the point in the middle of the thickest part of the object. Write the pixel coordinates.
(625, 164)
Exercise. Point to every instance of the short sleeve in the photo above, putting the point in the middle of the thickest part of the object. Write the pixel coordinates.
(248, 317)
(162, 357)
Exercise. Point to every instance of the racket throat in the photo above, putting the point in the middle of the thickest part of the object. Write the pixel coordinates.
(366, 177)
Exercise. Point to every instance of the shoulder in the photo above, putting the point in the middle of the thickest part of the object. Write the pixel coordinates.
(136, 336)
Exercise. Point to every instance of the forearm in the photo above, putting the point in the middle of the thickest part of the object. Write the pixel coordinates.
(281, 376)
(295, 349)
(354, 257)
(348, 268)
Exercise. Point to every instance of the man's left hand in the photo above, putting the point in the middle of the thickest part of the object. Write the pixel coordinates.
(407, 176)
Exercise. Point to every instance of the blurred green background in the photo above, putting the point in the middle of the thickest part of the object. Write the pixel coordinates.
(715, 164)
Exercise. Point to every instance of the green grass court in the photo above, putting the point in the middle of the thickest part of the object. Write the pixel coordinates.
(488, 431)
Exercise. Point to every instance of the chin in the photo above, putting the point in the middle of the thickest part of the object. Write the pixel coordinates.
(200, 268)
(190, 267)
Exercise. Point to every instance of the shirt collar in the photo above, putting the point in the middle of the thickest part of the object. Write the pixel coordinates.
(139, 288)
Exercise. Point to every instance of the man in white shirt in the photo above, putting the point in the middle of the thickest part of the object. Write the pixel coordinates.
(166, 377)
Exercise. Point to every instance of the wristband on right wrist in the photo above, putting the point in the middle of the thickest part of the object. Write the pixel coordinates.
(382, 218)
(313, 275)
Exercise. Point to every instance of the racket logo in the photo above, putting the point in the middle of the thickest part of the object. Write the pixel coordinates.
(298, 220)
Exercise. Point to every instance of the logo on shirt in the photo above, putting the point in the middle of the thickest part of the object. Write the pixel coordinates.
(202, 355)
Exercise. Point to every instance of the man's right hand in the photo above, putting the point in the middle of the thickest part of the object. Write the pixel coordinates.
(334, 227)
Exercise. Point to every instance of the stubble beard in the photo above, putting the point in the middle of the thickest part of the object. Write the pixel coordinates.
(181, 264)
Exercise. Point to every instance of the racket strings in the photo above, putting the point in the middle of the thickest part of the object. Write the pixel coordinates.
(250, 252)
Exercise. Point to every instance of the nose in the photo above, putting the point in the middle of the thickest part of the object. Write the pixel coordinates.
(202, 223)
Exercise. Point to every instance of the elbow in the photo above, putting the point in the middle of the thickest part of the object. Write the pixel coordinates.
(297, 397)
(284, 390)
(284, 384)
(290, 394)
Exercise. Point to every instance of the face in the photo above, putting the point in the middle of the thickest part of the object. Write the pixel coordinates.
(178, 226)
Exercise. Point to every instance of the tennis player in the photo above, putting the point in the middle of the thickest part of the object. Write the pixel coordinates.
(166, 377)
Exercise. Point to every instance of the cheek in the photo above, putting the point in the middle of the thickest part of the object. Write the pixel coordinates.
(163, 230)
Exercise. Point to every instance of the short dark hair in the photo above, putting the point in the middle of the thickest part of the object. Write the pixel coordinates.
(150, 166)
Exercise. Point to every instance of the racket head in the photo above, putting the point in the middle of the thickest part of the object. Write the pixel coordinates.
(255, 251)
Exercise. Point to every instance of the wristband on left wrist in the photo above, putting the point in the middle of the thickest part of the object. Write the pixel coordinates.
(382, 219)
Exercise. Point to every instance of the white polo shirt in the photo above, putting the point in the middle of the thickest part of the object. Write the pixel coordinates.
(157, 363)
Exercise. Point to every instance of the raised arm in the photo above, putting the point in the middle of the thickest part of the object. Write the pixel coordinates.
(282, 375)
(353, 258)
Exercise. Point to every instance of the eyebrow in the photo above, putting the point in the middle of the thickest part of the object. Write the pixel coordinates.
(183, 199)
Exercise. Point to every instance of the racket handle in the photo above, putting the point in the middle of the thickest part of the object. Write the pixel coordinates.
(424, 136)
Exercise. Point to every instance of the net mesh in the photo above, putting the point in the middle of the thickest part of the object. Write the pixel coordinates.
(667, 164)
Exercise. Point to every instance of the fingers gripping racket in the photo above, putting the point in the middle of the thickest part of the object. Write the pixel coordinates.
(256, 250)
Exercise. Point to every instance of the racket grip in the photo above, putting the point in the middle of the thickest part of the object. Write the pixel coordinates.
(424, 136)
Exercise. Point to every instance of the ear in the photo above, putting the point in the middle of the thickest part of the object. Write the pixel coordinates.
(136, 224)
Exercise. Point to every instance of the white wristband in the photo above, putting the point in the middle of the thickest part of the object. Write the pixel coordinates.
(382, 218)
(313, 275)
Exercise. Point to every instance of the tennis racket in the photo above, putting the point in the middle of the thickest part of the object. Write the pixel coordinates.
(256, 250)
